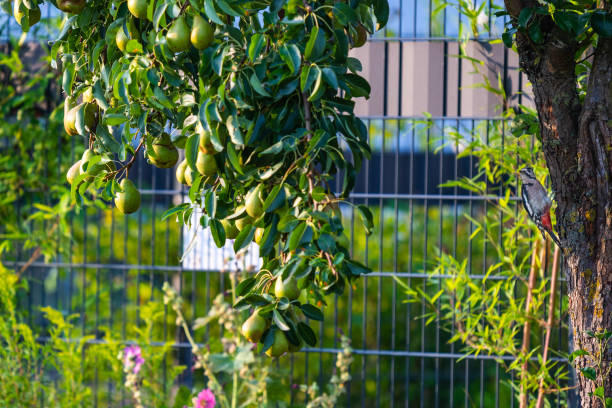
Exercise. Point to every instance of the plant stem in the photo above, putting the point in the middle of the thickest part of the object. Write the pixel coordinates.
(235, 375)
(527, 328)
(549, 323)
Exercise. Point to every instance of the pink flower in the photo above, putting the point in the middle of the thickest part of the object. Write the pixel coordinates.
(205, 399)
(132, 357)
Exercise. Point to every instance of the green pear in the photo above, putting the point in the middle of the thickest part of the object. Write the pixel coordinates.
(286, 288)
(121, 39)
(74, 171)
(188, 176)
(138, 8)
(88, 95)
(253, 203)
(180, 172)
(206, 145)
(243, 222)
(202, 33)
(259, 233)
(163, 153)
(178, 35)
(90, 118)
(206, 164)
(254, 327)
(231, 231)
(70, 121)
(71, 6)
(128, 199)
(280, 345)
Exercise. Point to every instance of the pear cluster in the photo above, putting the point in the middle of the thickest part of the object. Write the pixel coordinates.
(184, 32)
(258, 326)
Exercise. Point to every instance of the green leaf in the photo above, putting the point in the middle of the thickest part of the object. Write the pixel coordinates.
(279, 320)
(233, 129)
(344, 13)
(244, 238)
(211, 13)
(366, 218)
(290, 54)
(218, 232)
(295, 236)
(174, 210)
(210, 204)
(524, 16)
(318, 88)
(381, 11)
(256, 45)
(312, 312)
(191, 150)
(315, 45)
(307, 334)
(258, 86)
(330, 77)
(245, 286)
(602, 23)
(272, 198)
(233, 158)
(589, 373)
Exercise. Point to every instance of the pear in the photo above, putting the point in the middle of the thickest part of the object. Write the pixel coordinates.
(202, 33)
(254, 327)
(206, 164)
(90, 118)
(254, 204)
(121, 39)
(259, 233)
(205, 143)
(71, 6)
(280, 345)
(180, 172)
(231, 231)
(286, 288)
(163, 153)
(362, 36)
(88, 95)
(74, 171)
(69, 121)
(104, 165)
(128, 200)
(178, 35)
(243, 222)
(188, 175)
(138, 8)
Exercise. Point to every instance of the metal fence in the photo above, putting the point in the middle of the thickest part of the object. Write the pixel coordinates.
(115, 264)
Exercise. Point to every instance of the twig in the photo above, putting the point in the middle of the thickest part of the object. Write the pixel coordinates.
(549, 323)
(527, 328)
(35, 255)
(129, 164)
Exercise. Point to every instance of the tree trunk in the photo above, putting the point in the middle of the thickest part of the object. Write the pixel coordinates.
(578, 150)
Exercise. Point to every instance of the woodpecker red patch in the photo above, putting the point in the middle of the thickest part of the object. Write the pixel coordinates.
(546, 223)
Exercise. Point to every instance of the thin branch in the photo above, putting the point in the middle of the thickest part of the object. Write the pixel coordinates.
(549, 323)
(527, 328)
(126, 166)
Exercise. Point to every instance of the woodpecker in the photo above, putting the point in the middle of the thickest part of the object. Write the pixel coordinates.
(537, 203)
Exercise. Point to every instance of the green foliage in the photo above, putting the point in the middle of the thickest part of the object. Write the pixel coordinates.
(54, 372)
(593, 367)
(264, 112)
(34, 159)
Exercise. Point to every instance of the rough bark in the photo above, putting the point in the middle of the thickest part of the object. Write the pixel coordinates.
(578, 150)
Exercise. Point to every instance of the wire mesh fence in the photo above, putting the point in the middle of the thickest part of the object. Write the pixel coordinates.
(115, 264)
